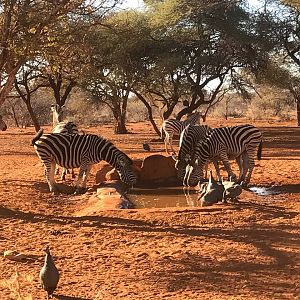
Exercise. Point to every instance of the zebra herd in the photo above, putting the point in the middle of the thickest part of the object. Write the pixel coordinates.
(198, 145)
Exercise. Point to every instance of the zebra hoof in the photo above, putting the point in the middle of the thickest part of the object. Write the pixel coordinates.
(80, 191)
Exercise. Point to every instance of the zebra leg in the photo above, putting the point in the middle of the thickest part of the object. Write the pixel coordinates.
(49, 173)
(167, 141)
(86, 175)
(57, 170)
(227, 166)
(63, 174)
(245, 162)
(251, 164)
(171, 143)
(82, 177)
(239, 160)
(216, 165)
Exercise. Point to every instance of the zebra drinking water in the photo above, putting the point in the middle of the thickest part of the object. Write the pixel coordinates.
(171, 127)
(80, 151)
(189, 138)
(240, 142)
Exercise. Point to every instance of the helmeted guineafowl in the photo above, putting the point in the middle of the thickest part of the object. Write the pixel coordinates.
(49, 274)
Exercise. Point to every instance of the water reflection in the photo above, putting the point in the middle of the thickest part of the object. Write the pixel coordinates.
(264, 191)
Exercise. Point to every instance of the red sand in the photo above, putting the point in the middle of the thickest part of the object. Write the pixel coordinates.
(249, 250)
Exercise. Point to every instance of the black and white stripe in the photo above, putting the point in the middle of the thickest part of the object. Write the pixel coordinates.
(189, 138)
(171, 127)
(80, 151)
(65, 128)
(240, 142)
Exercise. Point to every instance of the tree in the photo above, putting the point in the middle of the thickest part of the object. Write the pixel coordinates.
(30, 28)
(27, 83)
(278, 31)
(112, 69)
(196, 49)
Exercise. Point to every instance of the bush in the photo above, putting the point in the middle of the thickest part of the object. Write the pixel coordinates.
(270, 106)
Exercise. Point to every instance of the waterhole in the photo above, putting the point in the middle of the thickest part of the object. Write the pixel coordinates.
(266, 191)
(163, 197)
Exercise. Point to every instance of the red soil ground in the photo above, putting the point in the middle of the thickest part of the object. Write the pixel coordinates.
(248, 250)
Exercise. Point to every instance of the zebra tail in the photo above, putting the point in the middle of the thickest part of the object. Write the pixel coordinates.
(37, 137)
(259, 150)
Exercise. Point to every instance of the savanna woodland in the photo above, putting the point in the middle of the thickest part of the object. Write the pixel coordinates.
(117, 71)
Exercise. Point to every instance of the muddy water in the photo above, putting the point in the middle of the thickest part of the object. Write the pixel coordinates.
(163, 197)
(178, 197)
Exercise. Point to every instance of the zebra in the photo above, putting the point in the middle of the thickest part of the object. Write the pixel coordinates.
(60, 126)
(80, 151)
(3, 125)
(171, 127)
(239, 142)
(65, 128)
(189, 138)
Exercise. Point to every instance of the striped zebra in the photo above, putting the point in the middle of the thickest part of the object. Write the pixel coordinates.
(189, 138)
(60, 126)
(171, 127)
(240, 142)
(65, 128)
(80, 151)
(3, 125)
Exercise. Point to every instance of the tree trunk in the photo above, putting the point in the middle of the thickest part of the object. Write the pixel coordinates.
(33, 117)
(298, 111)
(120, 127)
(15, 116)
(149, 110)
(27, 100)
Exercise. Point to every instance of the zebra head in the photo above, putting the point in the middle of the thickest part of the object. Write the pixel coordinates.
(193, 173)
(124, 168)
(3, 126)
(58, 113)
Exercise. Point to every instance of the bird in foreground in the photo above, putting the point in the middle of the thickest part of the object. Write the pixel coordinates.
(146, 147)
(49, 275)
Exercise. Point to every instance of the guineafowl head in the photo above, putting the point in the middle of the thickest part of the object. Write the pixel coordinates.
(47, 249)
